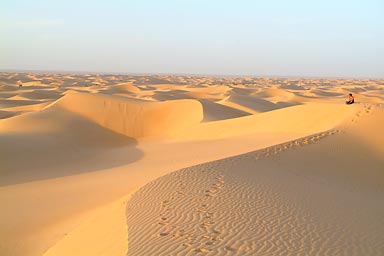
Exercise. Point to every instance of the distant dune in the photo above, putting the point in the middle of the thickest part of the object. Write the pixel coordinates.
(134, 118)
(185, 165)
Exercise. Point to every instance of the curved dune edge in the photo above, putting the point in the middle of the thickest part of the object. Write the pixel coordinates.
(87, 238)
(270, 201)
(305, 119)
(136, 119)
(75, 240)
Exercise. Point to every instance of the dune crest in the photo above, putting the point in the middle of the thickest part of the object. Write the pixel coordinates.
(136, 119)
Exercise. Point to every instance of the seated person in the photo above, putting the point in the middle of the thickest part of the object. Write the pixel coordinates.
(351, 99)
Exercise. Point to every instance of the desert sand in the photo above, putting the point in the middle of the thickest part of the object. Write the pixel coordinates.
(99, 164)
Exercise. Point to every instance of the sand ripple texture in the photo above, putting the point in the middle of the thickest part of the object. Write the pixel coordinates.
(256, 204)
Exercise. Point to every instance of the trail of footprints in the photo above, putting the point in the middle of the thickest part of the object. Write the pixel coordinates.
(367, 109)
(202, 235)
(277, 149)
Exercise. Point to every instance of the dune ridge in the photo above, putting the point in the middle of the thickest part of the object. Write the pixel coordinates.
(240, 206)
(300, 119)
(133, 118)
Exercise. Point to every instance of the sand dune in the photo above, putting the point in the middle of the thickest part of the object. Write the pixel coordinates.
(5, 114)
(14, 103)
(125, 88)
(166, 87)
(7, 95)
(215, 111)
(325, 93)
(28, 107)
(309, 118)
(74, 148)
(216, 89)
(41, 94)
(135, 119)
(276, 92)
(58, 140)
(202, 95)
(317, 195)
(8, 88)
(254, 104)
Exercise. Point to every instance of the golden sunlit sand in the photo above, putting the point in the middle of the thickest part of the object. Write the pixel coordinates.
(190, 165)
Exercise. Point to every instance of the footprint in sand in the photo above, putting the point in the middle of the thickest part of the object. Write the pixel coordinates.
(178, 234)
(228, 248)
(201, 250)
(278, 150)
(201, 210)
(217, 238)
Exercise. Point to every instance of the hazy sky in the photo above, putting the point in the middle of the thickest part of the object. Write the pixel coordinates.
(337, 38)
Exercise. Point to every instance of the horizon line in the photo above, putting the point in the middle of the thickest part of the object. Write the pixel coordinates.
(183, 74)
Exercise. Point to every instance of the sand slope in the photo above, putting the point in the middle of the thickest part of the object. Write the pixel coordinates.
(304, 119)
(317, 195)
(134, 119)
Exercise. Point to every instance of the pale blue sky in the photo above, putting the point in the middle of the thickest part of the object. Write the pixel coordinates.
(330, 38)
